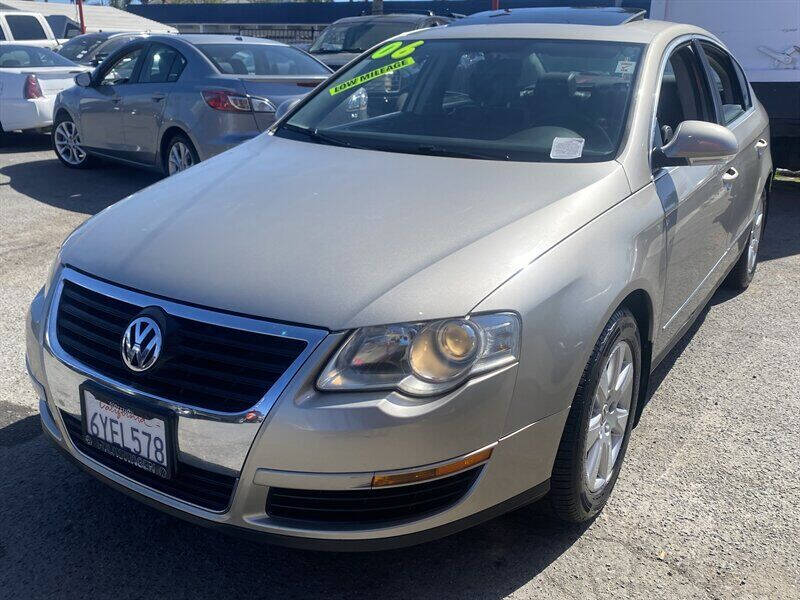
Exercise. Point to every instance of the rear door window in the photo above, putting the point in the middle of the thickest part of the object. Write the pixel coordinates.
(725, 82)
(25, 27)
(157, 67)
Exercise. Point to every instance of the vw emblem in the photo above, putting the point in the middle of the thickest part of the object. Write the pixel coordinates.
(141, 344)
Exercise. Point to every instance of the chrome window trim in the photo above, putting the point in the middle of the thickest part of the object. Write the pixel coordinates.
(311, 336)
(748, 91)
(689, 37)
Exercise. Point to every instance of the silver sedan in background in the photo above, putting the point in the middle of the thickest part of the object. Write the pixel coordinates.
(169, 101)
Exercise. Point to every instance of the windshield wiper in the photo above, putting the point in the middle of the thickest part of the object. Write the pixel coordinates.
(314, 134)
(439, 151)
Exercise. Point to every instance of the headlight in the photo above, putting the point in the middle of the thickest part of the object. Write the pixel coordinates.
(422, 359)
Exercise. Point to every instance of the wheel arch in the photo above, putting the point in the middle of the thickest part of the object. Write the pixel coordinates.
(640, 304)
(166, 138)
(61, 111)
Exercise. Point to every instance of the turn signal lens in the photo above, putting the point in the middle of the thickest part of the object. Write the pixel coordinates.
(471, 460)
(262, 105)
(32, 87)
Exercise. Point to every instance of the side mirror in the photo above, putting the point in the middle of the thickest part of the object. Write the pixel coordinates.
(697, 143)
(286, 107)
(83, 79)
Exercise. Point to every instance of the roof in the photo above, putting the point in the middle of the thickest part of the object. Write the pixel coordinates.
(213, 38)
(98, 18)
(637, 32)
(589, 15)
(285, 12)
(390, 18)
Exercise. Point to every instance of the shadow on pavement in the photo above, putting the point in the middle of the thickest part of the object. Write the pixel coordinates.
(782, 235)
(85, 191)
(14, 143)
(67, 535)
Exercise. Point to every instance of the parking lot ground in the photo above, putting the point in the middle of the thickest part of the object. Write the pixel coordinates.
(707, 505)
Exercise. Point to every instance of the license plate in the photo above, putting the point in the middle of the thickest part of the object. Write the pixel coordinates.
(137, 436)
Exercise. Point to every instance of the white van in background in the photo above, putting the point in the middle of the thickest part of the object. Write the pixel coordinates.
(31, 29)
(764, 36)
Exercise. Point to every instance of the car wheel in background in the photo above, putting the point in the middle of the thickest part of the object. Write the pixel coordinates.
(742, 273)
(67, 144)
(599, 424)
(180, 155)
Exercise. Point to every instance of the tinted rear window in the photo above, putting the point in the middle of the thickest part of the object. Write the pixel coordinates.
(13, 57)
(25, 27)
(261, 59)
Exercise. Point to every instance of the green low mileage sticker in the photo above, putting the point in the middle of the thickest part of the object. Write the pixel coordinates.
(356, 81)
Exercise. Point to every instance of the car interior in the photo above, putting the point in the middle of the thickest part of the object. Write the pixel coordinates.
(508, 97)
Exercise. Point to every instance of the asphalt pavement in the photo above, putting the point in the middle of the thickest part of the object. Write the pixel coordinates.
(707, 505)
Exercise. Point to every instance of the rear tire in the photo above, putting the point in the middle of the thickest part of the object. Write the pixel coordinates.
(67, 144)
(599, 424)
(745, 268)
(180, 155)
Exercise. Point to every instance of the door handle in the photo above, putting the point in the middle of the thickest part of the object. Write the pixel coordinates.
(761, 145)
(730, 175)
(158, 97)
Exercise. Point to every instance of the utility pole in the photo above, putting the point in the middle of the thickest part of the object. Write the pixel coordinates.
(80, 14)
(377, 7)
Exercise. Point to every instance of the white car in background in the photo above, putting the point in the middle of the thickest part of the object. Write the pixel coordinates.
(28, 28)
(30, 79)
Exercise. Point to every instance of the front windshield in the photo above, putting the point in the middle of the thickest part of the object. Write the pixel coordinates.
(13, 57)
(501, 99)
(79, 47)
(357, 36)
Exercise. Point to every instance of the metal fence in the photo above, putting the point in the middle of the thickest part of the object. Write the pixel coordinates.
(288, 34)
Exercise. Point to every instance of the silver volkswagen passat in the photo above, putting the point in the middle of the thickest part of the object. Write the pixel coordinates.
(368, 328)
(168, 101)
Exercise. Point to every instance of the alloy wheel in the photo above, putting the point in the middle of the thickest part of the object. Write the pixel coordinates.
(180, 158)
(608, 418)
(755, 236)
(68, 143)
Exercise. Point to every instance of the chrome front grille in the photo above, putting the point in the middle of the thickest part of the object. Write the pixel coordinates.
(205, 365)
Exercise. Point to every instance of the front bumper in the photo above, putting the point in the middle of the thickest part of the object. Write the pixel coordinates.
(328, 442)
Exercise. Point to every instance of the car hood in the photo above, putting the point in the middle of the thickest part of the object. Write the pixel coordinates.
(335, 60)
(339, 237)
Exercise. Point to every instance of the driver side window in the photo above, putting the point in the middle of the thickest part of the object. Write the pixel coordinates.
(122, 70)
(683, 96)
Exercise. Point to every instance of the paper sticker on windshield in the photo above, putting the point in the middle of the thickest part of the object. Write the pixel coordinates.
(565, 148)
(625, 67)
(356, 81)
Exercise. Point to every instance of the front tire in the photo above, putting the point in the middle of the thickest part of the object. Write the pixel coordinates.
(67, 144)
(743, 271)
(599, 424)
